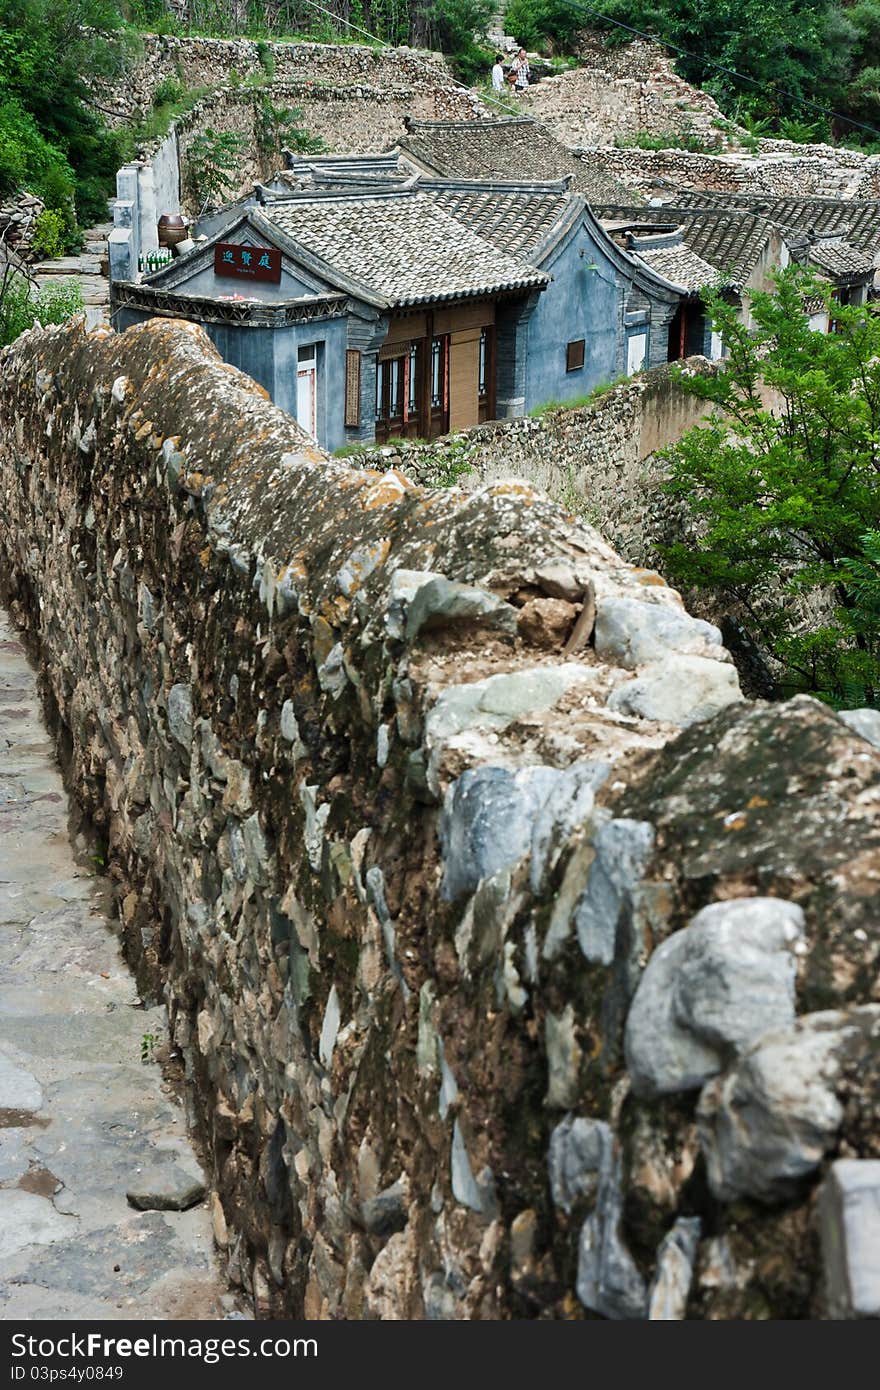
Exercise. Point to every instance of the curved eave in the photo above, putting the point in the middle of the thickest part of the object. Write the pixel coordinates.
(535, 282)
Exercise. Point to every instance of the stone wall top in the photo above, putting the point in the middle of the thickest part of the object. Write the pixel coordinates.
(207, 62)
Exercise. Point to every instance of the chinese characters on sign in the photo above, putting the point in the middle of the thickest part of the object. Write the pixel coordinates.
(247, 262)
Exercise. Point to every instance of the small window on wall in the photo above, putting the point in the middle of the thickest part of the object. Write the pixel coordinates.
(574, 355)
(484, 358)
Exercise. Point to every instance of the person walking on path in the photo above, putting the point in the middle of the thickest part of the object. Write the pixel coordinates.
(498, 74)
(520, 70)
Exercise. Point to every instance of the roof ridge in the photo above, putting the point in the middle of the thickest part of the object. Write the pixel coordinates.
(411, 123)
(546, 187)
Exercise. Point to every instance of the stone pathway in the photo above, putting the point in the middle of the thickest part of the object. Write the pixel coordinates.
(90, 268)
(82, 1119)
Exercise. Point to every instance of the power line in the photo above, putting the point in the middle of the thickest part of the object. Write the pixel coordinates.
(639, 34)
(374, 38)
(719, 67)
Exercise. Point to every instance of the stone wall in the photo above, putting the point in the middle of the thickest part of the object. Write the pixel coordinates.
(596, 460)
(472, 886)
(355, 120)
(621, 92)
(198, 62)
(834, 174)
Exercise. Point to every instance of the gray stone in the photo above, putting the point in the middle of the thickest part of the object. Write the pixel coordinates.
(382, 742)
(329, 1028)
(237, 852)
(385, 1213)
(577, 1148)
(180, 715)
(559, 578)
(711, 990)
(19, 1090)
(26, 1220)
(14, 1153)
(567, 805)
(681, 691)
(622, 849)
(487, 822)
(864, 721)
(256, 850)
(849, 1223)
(632, 633)
(440, 602)
(448, 1093)
(332, 676)
(405, 584)
(165, 1188)
(668, 1295)
(375, 886)
(563, 1058)
(464, 1187)
(146, 608)
(771, 1119)
(476, 1193)
(496, 702)
(289, 726)
(608, 1279)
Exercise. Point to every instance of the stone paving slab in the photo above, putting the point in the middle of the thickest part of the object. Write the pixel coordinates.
(82, 1119)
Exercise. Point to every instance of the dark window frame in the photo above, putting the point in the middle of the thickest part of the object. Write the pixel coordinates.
(574, 350)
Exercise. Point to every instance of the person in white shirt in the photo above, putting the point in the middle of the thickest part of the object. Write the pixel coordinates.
(498, 75)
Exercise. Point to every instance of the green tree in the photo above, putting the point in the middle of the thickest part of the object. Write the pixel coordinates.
(50, 52)
(213, 161)
(778, 501)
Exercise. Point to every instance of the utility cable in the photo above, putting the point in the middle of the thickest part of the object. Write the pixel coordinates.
(719, 67)
(639, 34)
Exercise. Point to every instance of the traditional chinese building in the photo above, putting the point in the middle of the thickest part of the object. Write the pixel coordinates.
(373, 306)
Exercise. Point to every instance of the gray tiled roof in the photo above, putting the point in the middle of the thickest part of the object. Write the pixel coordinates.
(841, 260)
(513, 220)
(730, 239)
(856, 219)
(679, 264)
(402, 246)
(514, 148)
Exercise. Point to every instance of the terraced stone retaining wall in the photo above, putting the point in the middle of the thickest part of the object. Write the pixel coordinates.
(520, 967)
(203, 62)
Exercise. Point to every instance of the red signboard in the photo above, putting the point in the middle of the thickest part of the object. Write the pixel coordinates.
(247, 262)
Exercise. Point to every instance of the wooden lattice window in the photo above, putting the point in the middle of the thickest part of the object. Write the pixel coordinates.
(352, 389)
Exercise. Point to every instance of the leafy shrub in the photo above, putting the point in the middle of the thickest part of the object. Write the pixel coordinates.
(167, 92)
(455, 26)
(784, 503)
(665, 140)
(50, 234)
(279, 126)
(266, 58)
(28, 159)
(552, 22)
(21, 306)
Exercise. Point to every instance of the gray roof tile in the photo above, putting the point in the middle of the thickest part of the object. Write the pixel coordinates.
(841, 260)
(514, 148)
(856, 219)
(402, 246)
(730, 239)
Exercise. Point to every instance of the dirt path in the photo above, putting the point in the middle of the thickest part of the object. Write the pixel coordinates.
(82, 1119)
